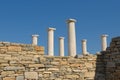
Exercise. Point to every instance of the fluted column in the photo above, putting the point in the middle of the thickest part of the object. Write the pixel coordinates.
(51, 41)
(71, 37)
(84, 47)
(61, 46)
(35, 39)
(104, 42)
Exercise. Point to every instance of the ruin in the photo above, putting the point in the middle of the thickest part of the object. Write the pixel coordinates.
(28, 62)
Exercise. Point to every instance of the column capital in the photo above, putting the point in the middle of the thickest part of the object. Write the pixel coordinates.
(84, 40)
(35, 35)
(61, 38)
(53, 29)
(71, 20)
(104, 35)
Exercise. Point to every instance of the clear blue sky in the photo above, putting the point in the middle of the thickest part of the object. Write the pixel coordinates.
(19, 19)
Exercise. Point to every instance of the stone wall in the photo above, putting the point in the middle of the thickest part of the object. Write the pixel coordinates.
(112, 60)
(28, 62)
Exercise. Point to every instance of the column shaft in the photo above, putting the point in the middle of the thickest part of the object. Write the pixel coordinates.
(84, 47)
(104, 42)
(51, 41)
(61, 46)
(71, 37)
(35, 39)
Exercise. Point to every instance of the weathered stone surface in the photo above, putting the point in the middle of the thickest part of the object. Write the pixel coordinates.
(9, 78)
(14, 68)
(90, 74)
(36, 65)
(14, 48)
(7, 73)
(31, 75)
(71, 76)
(39, 48)
(20, 78)
(110, 64)
(53, 69)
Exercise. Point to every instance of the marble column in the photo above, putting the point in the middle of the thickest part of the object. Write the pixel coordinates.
(71, 37)
(104, 42)
(51, 41)
(35, 39)
(84, 47)
(61, 46)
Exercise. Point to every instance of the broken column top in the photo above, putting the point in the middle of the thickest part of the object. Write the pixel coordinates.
(51, 28)
(71, 20)
(61, 37)
(84, 40)
(104, 35)
(35, 35)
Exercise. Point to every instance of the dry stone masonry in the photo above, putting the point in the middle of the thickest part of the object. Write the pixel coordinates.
(28, 62)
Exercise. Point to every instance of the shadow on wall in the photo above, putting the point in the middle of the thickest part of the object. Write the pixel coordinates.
(108, 63)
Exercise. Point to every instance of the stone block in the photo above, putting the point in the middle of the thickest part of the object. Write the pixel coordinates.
(46, 72)
(14, 68)
(9, 78)
(55, 63)
(39, 48)
(75, 65)
(20, 78)
(7, 73)
(28, 48)
(36, 65)
(14, 48)
(110, 64)
(4, 64)
(89, 74)
(3, 61)
(77, 70)
(31, 75)
(53, 69)
(71, 76)
(1, 45)
(88, 65)
(63, 62)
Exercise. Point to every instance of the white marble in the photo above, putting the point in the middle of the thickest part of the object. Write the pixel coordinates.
(35, 39)
(71, 37)
(51, 41)
(84, 47)
(61, 46)
(104, 42)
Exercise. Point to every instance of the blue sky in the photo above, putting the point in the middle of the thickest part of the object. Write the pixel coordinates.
(19, 19)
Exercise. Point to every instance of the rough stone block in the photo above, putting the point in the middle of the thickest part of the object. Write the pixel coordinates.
(71, 76)
(9, 78)
(14, 48)
(63, 62)
(20, 78)
(39, 48)
(53, 69)
(88, 65)
(110, 64)
(7, 73)
(36, 65)
(89, 74)
(14, 68)
(31, 75)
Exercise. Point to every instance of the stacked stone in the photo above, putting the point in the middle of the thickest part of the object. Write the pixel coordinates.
(14, 59)
(26, 62)
(17, 47)
(112, 60)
